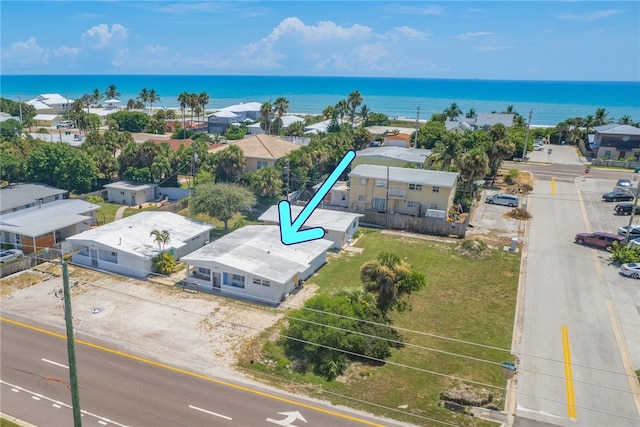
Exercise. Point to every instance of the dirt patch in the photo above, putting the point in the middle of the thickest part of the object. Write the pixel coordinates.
(18, 281)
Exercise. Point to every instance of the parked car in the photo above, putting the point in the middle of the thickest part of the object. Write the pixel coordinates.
(538, 146)
(624, 183)
(635, 231)
(7, 255)
(634, 243)
(65, 124)
(626, 209)
(618, 196)
(599, 239)
(504, 199)
(630, 270)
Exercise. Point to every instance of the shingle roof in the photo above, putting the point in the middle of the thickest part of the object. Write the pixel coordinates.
(131, 234)
(490, 119)
(325, 218)
(19, 195)
(616, 129)
(407, 175)
(263, 146)
(410, 155)
(257, 249)
(47, 218)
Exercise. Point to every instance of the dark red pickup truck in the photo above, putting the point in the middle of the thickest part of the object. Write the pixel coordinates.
(599, 239)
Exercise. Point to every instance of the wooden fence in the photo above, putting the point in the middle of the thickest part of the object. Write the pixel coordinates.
(429, 225)
(31, 261)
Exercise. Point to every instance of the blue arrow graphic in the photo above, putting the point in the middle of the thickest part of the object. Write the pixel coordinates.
(290, 233)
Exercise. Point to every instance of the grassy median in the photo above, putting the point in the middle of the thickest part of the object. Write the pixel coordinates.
(467, 298)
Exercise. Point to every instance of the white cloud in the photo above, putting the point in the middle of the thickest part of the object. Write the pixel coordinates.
(151, 57)
(66, 52)
(405, 32)
(322, 32)
(466, 36)
(591, 16)
(25, 53)
(413, 10)
(100, 36)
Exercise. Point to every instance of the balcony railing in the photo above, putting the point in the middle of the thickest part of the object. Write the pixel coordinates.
(397, 193)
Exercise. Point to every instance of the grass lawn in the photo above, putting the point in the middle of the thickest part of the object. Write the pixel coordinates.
(6, 423)
(107, 212)
(465, 299)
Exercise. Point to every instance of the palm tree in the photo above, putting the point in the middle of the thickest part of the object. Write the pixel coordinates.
(87, 99)
(111, 92)
(354, 100)
(511, 110)
(329, 112)
(446, 151)
(626, 120)
(383, 276)
(364, 115)
(143, 96)
(152, 97)
(473, 165)
(161, 237)
(453, 111)
(96, 96)
(192, 101)
(471, 114)
(131, 104)
(183, 99)
(600, 117)
(281, 106)
(341, 109)
(265, 110)
(203, 100)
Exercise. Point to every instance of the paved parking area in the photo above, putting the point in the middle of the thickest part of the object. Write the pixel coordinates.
(623, 291)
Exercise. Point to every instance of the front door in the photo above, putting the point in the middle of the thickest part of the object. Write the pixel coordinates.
(94, 258)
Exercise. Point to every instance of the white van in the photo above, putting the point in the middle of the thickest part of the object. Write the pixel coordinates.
(504, 199)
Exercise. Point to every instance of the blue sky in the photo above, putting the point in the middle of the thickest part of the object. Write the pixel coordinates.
(516, 40)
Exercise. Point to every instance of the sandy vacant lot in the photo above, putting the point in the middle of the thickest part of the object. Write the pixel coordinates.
(196, 331)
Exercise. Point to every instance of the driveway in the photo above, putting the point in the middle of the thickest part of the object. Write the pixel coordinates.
(557, 154)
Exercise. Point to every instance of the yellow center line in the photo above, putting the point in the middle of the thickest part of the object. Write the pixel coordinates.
(553, 186)
(568, 374)
(193, 374)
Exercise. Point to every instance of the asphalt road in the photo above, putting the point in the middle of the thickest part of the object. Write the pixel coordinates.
(571, 357)
(117, 389)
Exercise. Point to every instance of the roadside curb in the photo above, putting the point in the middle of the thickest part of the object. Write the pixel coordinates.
(16, 420)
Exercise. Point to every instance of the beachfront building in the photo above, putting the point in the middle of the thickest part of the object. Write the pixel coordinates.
(397, 140)
(46, 120)
(400, 190)
(339, 226)
(263, 150)
(616, 141)
(127, 247)
(51, 103)
(392, 156)
(481, 121)
(130, 193)
(220, 121)
(47, 224)
(252, 262)
(19, 196)
(321, 127)
(287, 120)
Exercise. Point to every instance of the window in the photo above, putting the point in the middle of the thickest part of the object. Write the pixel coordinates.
(344, 197)
(237, 281)
(434, 206)
(416, 187)
(363, 181)
(259, 282)
(203, 270)
(379, 204)
(361, 198)
(381, 183)
(266, 283)
(225, 278)
(412, 204)
(436, 189)
(262, 164)
(607, 154)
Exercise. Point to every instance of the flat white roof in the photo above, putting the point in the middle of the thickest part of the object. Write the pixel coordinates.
(133, 186)
(47, 218)
(46, 116)
(406, 175)
(257, 249)
(242, 107)
(410, 155)
(325, 218)
(132, 234)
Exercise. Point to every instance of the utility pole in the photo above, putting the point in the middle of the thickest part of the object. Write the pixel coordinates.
(526, 137)
(73, 373)
(20, 106)
(288, 170)
(415, 140)
(386, 203)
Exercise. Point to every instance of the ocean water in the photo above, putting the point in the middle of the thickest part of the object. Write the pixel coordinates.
(551, 101)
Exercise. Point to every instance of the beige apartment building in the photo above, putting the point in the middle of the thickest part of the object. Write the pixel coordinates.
(400, 190)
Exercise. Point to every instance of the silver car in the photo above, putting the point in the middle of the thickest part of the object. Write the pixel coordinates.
(7, 255)
(504, 199)
(630, 270)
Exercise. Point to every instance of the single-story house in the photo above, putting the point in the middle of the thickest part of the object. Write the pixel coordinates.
(339, 226)
(381, 131)
(130, 193)
(127, 247)
(481, 121)
(338, 194)
(391, 156)
(263, 150)
(47, 120)
(6, 116)
(45, 225)
(25, 195)
(616, 141)
(287, 120)
(397, 140)
(407, 191)
(321, 127)
(253, 262)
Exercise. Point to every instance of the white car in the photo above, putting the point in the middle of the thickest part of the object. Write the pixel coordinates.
(503, 199)
(635, 231)
(65, 124)
(7, 255)
(538, 146)
(630, 270)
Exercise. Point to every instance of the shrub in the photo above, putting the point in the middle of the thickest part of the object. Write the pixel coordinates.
(519, 213)
(623, 254)
(164, 263)
(511, 176)
(95, 199)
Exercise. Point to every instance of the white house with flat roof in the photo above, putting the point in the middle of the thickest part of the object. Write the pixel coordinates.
(391, 156)
(127, 247)
(130, 193)
(252, 262)
(339, 226)
(47, 224)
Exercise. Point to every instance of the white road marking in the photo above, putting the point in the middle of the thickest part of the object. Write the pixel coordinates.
(15, 390)
(102, 422)
(55, 405)
(523, 409)
(209, 412)
(55, 363)
(37, 396)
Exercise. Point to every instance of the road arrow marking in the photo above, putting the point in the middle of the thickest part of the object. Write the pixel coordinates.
(290, 232)
(291, 417)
